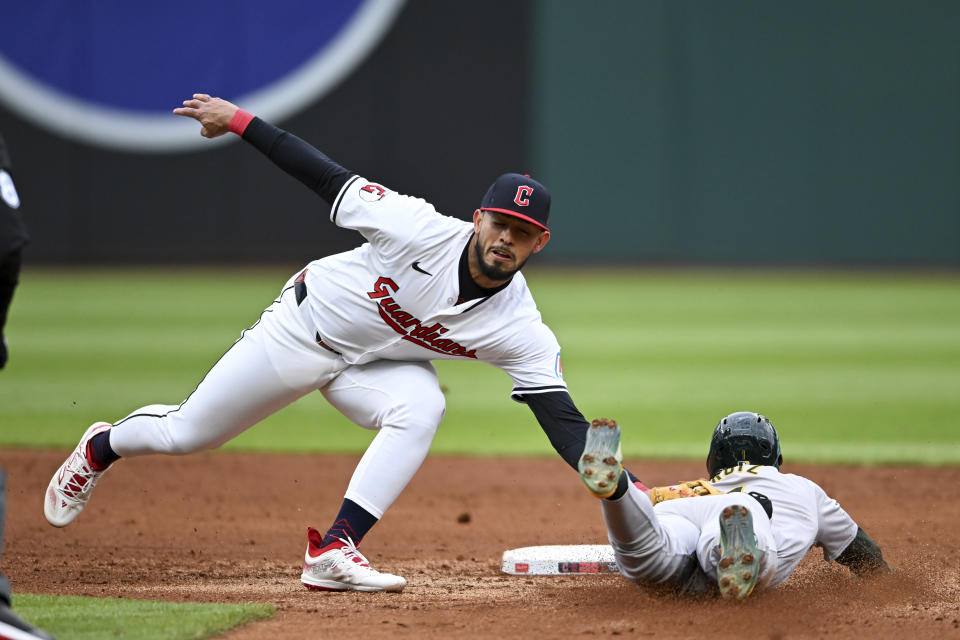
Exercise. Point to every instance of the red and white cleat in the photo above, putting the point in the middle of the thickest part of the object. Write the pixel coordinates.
(71, 486)
(340, 567)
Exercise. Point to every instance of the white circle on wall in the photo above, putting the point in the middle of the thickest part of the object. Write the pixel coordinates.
(110, 73)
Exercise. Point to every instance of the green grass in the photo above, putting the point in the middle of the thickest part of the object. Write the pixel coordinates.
(80, 618)
(851, 367)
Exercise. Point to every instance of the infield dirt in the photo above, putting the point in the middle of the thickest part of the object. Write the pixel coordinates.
(225, 527)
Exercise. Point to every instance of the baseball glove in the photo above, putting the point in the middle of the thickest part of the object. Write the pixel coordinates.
(691, 489)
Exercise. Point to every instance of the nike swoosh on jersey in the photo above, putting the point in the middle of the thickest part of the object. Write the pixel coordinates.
(416, 267)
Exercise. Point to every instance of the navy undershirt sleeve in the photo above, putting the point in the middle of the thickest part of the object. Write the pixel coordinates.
(563, 423)
(298, 158)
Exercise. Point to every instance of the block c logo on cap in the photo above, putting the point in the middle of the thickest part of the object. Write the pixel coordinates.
(523, 195)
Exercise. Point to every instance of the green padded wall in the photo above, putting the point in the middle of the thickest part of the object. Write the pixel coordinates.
(741, 131)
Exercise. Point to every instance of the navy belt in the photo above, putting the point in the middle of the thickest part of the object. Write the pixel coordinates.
(300, 293)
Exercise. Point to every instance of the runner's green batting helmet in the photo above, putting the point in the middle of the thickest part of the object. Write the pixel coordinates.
(743, 436)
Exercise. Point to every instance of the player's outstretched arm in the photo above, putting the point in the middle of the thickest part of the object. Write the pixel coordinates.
(863, 555)
(213, 114)
(565, 426)
(298, 158)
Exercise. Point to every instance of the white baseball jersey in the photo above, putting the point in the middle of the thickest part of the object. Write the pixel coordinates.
(803, 514)
(395, 297)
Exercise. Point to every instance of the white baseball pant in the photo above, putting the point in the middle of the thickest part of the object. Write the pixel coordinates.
(277, 361)
(652, 544)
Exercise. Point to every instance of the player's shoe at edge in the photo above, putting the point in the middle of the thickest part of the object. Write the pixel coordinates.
(739, 564)
(340, 567)
(71, 486)
(12, 627)
(601, 463)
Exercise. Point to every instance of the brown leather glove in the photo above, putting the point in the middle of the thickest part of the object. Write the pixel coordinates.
(691, 489)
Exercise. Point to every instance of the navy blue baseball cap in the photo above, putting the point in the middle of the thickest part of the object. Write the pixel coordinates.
(520, 196)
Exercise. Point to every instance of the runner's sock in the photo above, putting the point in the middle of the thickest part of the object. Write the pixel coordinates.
(623, 483)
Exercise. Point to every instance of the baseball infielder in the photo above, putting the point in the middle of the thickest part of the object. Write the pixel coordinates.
(748, 526)
(13, 237)
(362, 327)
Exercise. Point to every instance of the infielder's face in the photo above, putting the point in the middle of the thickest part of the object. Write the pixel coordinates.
(503, 244)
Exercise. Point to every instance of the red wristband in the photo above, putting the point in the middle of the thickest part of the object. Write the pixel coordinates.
(641, 486)
(239, 121)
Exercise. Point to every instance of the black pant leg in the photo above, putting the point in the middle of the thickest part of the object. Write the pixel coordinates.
(4, 583)
(9, 277)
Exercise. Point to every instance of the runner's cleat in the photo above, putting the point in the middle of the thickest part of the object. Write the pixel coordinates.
(601, 463)
(739, 564)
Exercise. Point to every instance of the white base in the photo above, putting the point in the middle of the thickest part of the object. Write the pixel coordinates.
(561, 559)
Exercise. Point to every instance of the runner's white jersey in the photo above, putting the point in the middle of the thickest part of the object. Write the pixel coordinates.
(395, 297)
(803, 514)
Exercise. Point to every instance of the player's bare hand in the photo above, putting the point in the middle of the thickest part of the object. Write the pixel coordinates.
(213, 114)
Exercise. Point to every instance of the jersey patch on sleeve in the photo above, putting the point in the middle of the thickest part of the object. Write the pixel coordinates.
(558, 367)
(372, 192)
